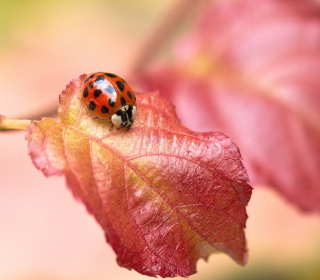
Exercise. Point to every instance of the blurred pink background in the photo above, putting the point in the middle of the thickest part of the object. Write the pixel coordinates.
(44, 232)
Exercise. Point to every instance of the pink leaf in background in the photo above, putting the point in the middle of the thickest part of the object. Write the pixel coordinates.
(251, 69)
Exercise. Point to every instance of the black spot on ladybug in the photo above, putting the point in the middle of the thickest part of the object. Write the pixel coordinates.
(104, 110)
(111, 75)
(120, 85)
(87, 79)
(111, 102)
(97, 93)
(100, 79)
(123, 101)
(91, 85)
(92, 105)
(129, 94)
(85, 92)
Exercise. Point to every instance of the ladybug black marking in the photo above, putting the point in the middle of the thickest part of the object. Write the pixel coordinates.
(97, 93)
(92, 105)
(124, 117)
(111, 75)
(120, 85)
(129, 112)
(129, 93)
(87, 79)
(85, 92)
(123, 101)
(104, 110)
(111, 102)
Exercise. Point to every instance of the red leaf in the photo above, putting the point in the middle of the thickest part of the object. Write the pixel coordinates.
(252, 70)
(164, 195)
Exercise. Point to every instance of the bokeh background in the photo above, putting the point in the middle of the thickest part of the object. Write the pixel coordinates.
(44, 232)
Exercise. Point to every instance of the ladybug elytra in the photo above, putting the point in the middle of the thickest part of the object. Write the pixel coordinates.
(109, 97)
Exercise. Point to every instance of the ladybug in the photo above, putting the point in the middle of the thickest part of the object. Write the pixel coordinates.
(109, 97)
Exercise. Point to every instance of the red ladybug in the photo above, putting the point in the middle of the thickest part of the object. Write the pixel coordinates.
(109, 97)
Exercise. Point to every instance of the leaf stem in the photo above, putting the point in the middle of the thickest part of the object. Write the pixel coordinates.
(9, 124)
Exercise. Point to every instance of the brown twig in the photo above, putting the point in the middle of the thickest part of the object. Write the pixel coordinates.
(13, 124)
(17, 124)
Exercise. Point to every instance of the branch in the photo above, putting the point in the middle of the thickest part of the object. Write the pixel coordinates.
(10, 124)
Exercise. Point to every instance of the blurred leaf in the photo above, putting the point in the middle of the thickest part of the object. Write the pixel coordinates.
(251, 69)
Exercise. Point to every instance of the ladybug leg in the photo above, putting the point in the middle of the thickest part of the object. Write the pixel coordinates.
(111, 124)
